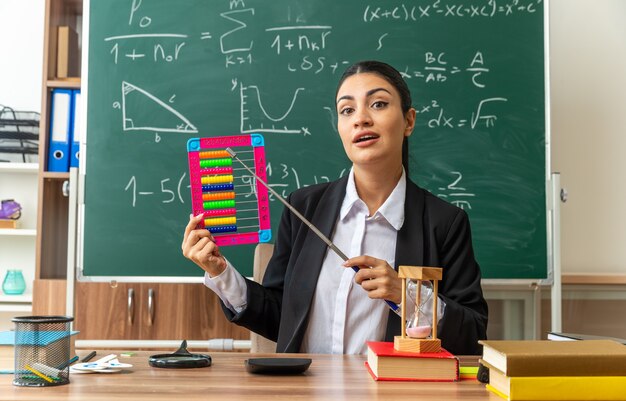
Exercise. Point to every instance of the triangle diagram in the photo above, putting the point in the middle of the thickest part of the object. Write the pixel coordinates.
(142, 111)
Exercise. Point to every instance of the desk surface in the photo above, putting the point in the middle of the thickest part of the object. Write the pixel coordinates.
(330, 377)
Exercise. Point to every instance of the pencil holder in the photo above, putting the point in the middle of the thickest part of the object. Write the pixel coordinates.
(42, 350)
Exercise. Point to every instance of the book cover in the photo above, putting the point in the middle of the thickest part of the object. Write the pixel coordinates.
(556, 358)
(39, 343)
(547, 388)
(68, 59)
(60, 130)
(554, 336)
(39, 338)
(385, 363)
(8, 223)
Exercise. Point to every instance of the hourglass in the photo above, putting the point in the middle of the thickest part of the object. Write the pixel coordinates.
(418, 341)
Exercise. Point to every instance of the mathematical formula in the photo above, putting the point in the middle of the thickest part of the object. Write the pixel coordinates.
(301, 47)
(438, 8)
(282, 178)
(433, 115)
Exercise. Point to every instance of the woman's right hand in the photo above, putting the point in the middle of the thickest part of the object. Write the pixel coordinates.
(199, 246)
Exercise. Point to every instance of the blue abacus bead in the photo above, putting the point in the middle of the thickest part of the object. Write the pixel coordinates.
(222, 229)
(217, 187)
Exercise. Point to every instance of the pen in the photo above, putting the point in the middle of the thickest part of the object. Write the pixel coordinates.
(89, 356)
(328, 242)
(67, 363)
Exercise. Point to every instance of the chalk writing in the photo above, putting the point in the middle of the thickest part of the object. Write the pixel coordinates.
(135, 98)
(170, 190)
(256, 118)
(435, 116)
(437, 8)
(456, 194)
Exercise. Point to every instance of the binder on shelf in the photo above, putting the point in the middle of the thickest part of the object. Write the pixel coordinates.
(68, 59)
(76, 118)
(60, 130)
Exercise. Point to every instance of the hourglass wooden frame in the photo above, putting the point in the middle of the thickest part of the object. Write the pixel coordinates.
(419, 345)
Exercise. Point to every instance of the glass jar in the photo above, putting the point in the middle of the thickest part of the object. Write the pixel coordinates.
(14, 283)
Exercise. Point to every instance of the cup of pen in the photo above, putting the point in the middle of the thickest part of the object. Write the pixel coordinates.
(42, 350)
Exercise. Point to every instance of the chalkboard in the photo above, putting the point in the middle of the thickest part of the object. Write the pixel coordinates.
(161, 72)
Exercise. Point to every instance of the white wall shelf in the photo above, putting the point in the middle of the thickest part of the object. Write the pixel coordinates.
(16, 303)
(20, 308)
(28, 168)
(18, 181)
(25, 298)
(18, 232)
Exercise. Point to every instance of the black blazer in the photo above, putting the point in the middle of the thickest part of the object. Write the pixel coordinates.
(435, 233)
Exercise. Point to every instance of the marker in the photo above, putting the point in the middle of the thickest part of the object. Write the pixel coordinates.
(67, 363)
(328, 242)
(89, 356)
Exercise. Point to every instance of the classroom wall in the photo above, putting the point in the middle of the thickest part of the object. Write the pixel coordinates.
(21, 53)
(588, 90)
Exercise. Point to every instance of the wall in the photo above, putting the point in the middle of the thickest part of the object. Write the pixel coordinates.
(21, 53)
(588, 89)
(21, 63)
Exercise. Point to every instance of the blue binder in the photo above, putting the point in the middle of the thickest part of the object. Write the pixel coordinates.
(76, 134)
(60, 130)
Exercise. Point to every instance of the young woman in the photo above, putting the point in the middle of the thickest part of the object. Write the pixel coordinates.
(310, 300)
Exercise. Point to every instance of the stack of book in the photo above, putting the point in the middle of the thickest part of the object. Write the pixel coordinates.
(385, 363)
(556, 370)
(555, 336)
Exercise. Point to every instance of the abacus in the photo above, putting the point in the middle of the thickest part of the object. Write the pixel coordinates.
(234, 204)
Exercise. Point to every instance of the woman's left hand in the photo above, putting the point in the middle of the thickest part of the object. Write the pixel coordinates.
(377, 278)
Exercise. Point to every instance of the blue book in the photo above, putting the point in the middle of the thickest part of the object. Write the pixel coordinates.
(60, 130)
(40, 338)
(76, 126)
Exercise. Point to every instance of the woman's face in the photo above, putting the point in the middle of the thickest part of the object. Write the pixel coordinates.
(371, 123)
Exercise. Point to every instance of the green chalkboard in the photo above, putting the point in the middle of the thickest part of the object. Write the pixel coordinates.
(160, 72)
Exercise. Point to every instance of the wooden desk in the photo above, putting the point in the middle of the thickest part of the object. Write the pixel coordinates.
(330, 377)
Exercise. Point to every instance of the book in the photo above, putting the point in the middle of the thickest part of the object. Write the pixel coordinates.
(572, 388)
(60, 130)
(40, 341)
(68, 59)
(36, 338)
(8, 223)
(556, 358)
(385, 363)
(554, 336)
(76, 126)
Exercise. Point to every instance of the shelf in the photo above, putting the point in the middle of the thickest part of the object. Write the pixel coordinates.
(17, 299)
(61, 83)
(596, 279)
(29, 168)
(55, 175)
(25, 232)
(22, 308)
(16, 303)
